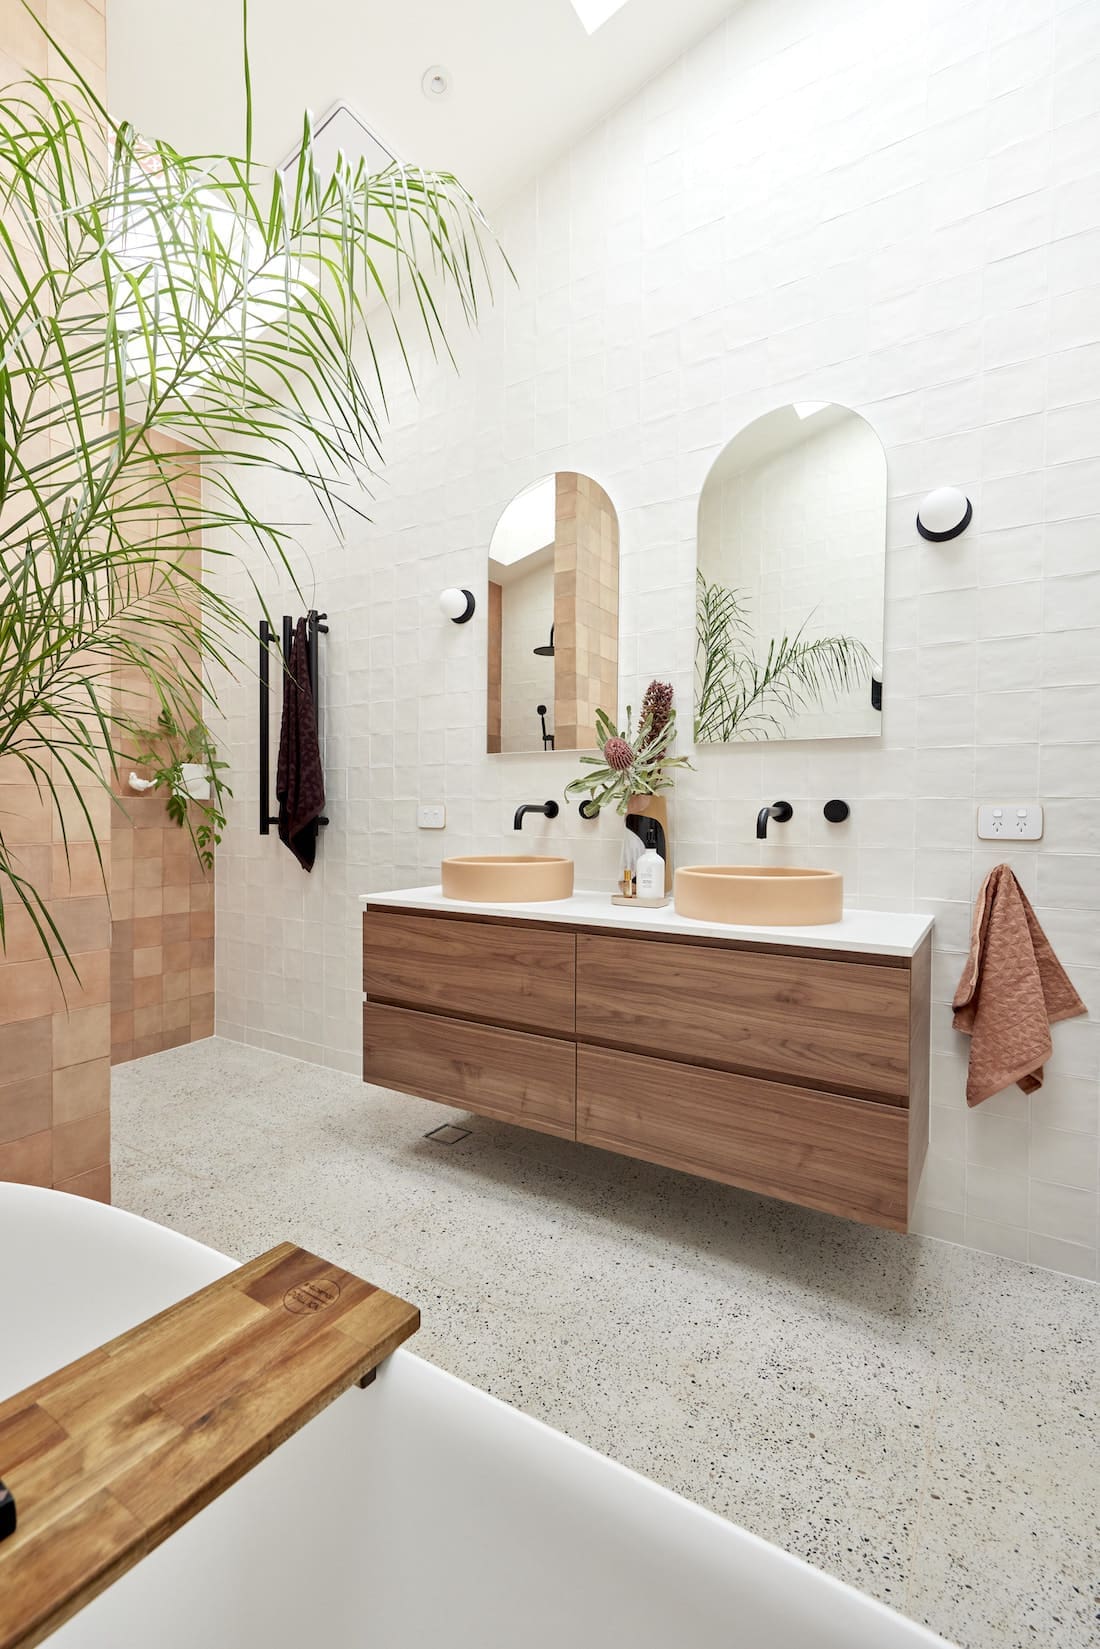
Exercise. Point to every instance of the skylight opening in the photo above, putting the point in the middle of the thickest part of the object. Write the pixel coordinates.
(595, 13)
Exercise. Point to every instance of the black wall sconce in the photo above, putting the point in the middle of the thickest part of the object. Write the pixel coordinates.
(457, 605)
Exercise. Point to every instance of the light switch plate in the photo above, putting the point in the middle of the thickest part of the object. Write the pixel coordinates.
(1010, 821)
(433, 817)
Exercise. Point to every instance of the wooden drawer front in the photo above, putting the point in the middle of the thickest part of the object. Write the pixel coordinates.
(842, 1155)
(508, 975)
(838, 1024)
(505, 1074)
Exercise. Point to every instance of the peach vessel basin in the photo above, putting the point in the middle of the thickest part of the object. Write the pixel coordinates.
(784, 896)
(507, 878)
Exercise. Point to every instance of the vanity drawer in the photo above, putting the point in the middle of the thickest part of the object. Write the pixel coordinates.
(844, 1156)
(509, 1075)
(513, 975)
(841, 1025)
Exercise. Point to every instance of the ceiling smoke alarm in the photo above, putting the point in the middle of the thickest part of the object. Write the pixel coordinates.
(435, 82)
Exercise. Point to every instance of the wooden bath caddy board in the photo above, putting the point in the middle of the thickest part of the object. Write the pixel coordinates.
(108, 1457)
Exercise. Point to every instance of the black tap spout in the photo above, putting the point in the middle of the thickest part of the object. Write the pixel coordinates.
(779, 811)
(549, 810)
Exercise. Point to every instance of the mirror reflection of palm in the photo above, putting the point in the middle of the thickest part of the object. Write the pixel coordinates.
(742, 696)
(791, 563)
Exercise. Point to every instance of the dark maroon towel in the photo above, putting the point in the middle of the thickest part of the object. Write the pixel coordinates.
(300, 779)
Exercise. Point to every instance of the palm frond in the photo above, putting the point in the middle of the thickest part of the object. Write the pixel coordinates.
(160, 311)
(738, 696)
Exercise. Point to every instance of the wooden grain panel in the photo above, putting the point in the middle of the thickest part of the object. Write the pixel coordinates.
(108, 1457)
(631, 930)
(510, 975)
(844, 1156)
(497, 1073)
(920, 1054)
(839, 1025)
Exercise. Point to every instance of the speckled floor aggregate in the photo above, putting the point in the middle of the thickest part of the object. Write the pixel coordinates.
(921, 1420)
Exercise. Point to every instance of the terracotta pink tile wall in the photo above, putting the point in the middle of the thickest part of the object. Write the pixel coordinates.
(144, 957)
(162, 902)
(162, 943)
(586, 609)
(54, 1042)
(55, 1048)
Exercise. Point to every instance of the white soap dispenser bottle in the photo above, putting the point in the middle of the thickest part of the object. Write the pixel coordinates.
(650, 873)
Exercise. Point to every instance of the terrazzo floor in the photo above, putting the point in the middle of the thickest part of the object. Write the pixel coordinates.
(919, 1419)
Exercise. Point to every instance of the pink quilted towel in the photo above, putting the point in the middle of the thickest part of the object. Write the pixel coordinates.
(1012, 990)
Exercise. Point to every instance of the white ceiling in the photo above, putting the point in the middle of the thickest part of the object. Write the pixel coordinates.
(526, 79)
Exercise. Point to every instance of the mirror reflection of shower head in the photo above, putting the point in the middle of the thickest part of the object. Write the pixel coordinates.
(545, 652)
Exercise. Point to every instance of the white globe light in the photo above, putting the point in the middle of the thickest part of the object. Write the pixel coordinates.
(943, 514)
(456, 604)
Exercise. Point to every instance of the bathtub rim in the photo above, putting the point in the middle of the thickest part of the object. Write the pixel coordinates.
(712, 1525)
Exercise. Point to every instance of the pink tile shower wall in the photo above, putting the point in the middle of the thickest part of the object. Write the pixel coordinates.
(893, 207)
(55, 1043)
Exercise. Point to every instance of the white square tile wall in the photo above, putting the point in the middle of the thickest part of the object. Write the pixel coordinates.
(895, 207)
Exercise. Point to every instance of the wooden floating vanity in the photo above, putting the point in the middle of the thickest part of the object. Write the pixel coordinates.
(793, 1064)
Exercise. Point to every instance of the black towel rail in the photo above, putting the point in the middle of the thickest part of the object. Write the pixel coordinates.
(315, 626)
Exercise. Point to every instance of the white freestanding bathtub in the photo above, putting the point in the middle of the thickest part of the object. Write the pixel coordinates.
(417, 1514)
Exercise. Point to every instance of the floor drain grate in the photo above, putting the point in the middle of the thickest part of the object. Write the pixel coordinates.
(448, 1134)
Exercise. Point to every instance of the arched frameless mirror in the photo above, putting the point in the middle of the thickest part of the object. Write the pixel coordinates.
(791, 571)
(553, 616)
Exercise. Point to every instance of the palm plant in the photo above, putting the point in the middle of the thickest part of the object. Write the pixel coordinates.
(160, 310)
(171, 751)
(737, 695)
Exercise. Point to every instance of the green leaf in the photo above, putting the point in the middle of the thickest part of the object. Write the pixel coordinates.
(739, 697)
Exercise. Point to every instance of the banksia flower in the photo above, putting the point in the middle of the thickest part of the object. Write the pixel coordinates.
(618, 754)
(635, 761)
(656, 708)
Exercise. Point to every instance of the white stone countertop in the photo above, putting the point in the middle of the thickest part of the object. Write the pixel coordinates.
(884, 933)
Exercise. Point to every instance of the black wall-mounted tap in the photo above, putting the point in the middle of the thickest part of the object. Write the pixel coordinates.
(549, 810)
(779, 811)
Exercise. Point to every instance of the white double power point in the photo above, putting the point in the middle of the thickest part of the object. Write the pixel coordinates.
(432, 817)
(1010, 821)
